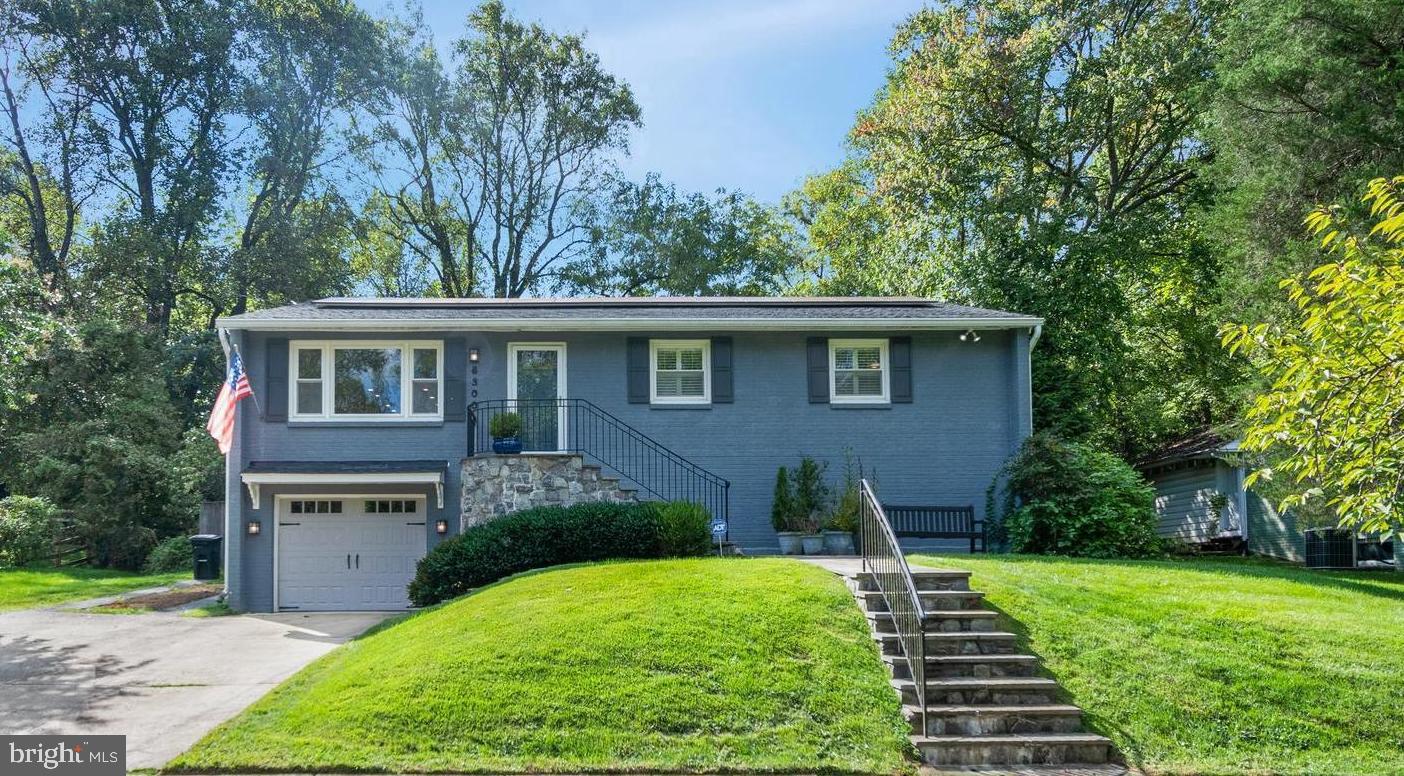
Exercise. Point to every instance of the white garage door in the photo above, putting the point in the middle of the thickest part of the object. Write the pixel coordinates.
(348, 554)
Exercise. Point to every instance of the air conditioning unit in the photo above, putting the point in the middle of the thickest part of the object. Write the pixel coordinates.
(1330, 548)
(1339, 548)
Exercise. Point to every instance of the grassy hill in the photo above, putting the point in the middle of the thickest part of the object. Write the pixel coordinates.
(684, 665)
(1217, 666)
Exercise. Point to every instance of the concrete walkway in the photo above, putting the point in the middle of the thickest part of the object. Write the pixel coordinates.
(160, 679)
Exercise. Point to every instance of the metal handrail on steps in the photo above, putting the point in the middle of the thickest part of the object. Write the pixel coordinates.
(580, 427)
(883, 558)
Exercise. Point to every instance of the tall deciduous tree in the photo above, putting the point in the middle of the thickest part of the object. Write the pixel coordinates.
(653, 239)
(1332, 419)
(306, 67)
(156, 80)
(1042, 157)
(1309, 108)
(498, 162)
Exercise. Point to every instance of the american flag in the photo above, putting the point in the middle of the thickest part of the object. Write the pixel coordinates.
(221, 424)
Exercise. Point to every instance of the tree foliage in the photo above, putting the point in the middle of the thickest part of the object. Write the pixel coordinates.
(653, 239)
(489, 169)
(1042, 157)
(1308, 107)
(1332, 417)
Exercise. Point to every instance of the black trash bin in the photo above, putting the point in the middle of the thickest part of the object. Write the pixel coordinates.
(207, 555)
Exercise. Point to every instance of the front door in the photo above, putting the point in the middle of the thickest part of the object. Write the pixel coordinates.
(536, 383)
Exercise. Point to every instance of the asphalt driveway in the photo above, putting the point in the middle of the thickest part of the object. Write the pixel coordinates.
(160, 679)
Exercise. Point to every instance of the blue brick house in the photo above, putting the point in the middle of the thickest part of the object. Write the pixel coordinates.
(369, 441)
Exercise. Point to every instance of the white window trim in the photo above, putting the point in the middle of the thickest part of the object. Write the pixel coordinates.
(882, 344)
(654, 346)
(329, 348)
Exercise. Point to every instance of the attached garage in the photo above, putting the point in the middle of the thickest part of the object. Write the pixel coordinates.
(354, 553)
(341, 536)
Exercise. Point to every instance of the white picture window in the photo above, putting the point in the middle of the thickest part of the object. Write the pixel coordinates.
(366, 380)
(681, 371)
(858, 371)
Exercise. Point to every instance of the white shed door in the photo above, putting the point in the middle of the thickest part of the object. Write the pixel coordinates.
(348, 554)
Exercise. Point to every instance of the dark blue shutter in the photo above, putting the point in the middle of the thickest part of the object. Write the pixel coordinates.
(638, 378)
(455, 378)
(899, 350)
(818, 348)
(721, 370)
(275, 400)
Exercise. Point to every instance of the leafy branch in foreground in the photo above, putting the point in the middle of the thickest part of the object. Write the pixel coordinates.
(1332, 418)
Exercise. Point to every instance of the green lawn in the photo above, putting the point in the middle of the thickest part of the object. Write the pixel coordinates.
(1217, 666)
(30, 587)
(685, 665)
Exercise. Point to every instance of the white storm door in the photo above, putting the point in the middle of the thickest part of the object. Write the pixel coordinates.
(536, 386)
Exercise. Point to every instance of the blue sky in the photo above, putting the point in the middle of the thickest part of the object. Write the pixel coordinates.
(744, 95)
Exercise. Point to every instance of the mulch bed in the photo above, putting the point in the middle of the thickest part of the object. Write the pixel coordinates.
(166, 599)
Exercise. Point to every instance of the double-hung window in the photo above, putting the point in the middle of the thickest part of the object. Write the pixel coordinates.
(681, 371)
(366, 380)
(858, 371)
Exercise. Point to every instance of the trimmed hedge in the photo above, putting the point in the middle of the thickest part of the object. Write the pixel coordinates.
(541, 537)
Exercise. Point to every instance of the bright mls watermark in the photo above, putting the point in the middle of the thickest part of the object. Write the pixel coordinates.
(75, 755)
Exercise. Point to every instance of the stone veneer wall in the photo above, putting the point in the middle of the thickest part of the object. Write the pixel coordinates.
(496, 485)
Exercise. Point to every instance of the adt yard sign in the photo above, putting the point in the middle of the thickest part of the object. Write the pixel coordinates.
(718, 527)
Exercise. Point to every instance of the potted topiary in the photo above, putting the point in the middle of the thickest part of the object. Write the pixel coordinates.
(506, 429)
(843, 521)
(782, 514)
(811, 498)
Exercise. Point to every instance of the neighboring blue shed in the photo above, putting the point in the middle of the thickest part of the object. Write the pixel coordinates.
(1201, 499)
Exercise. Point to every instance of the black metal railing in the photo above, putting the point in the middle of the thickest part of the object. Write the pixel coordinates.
(882, 557)
(580, 427)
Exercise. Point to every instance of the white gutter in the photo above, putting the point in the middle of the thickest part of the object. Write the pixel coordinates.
(1037, 332)
(628, 324)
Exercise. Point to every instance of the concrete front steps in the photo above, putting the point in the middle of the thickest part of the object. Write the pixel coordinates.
(987, 704)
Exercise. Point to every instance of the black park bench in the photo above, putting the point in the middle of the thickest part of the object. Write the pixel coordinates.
(937, 523)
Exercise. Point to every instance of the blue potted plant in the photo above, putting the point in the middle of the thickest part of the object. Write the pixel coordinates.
(506, 432)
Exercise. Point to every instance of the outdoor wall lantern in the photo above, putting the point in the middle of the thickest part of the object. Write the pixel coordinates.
(970, 335)
(255, 528)
(441, 527)
(473, 355)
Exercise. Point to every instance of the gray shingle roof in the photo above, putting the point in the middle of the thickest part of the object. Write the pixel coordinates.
(581, 310)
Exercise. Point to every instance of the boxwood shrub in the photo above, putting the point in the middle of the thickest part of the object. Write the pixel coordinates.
(540, 537)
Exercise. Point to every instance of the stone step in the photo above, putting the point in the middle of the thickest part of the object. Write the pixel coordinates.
(946, 579)
(933, 600)
(972, 666)
(942, 621)
(991, 691)
(957, 643)
(995, 720)
(1014, 749)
